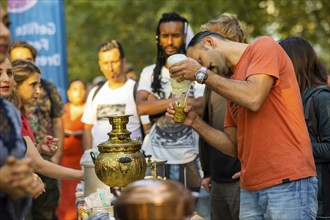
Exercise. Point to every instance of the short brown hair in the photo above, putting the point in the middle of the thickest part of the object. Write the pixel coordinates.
(228, 26)
(110, 45)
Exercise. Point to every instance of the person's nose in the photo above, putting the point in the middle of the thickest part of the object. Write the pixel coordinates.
(38, 90)
(4, 77)
(170, 40)
(111, 66)
(4, 31)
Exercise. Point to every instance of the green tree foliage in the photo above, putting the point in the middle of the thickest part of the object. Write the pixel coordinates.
(134, 23)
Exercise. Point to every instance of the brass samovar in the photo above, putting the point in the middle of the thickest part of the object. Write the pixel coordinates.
(120, 161)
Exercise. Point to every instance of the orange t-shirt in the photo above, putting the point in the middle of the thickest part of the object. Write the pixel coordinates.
(273, 143)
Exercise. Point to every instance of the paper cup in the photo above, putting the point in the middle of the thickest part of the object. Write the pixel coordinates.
(184, 85)
(175, 58)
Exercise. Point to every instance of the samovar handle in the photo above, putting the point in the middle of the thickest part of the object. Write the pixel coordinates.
(144, 154)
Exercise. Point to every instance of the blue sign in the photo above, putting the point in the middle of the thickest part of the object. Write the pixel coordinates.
(42, 24)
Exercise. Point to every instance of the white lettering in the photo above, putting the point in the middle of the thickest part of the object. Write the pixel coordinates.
(41, 61)
(35, 28)
(51, 28)
(52, 60)
(43, 43)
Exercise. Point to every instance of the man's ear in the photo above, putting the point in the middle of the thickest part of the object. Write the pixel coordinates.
(209, 42)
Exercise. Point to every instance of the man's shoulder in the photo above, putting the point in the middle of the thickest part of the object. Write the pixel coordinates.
(104, 87)
(264, 41)
(151, 66)
(148, 69)
(131, 81)
(96, 88)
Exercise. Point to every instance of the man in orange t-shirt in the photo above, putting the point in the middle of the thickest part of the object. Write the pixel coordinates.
(264, 123)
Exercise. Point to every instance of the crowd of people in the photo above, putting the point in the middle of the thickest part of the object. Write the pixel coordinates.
(256, 134)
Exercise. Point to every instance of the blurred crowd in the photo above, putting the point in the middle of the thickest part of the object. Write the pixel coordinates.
(255, 141)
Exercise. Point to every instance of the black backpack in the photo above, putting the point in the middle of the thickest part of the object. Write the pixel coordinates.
(310, 111)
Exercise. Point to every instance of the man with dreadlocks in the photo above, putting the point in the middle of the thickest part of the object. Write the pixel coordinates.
(176, 143)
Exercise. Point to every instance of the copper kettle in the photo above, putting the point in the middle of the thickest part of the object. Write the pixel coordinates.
(154, 199)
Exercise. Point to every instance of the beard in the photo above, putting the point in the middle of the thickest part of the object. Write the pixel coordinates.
(225, 72)
(177, 50)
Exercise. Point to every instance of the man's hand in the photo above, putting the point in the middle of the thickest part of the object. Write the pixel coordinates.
(206, 184)
(191, 115)
(236, 175)
(185, 70)
(17, 179)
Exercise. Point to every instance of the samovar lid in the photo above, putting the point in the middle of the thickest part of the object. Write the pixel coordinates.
(119, 137)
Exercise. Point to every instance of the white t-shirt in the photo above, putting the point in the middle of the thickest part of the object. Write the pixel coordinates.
(175, 142)
(107, 102)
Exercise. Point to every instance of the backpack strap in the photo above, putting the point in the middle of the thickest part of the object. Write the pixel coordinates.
(310, 112)
(99, 86)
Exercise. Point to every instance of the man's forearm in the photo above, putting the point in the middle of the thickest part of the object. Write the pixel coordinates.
(58, 132)
(152, 107)
(87, 139)
(217, 139)
(197, 104)
(249, 93)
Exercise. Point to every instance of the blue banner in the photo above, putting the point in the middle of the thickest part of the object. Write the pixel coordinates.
(41, 23)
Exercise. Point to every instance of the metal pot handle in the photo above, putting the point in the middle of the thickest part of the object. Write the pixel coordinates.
(93, 156)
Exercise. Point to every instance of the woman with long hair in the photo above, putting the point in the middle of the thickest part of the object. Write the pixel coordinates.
(312, 79)
(18, 183)
(26, 88)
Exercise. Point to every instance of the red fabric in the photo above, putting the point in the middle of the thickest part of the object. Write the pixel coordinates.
(71, 158)
(273, 143)
(26, 128)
